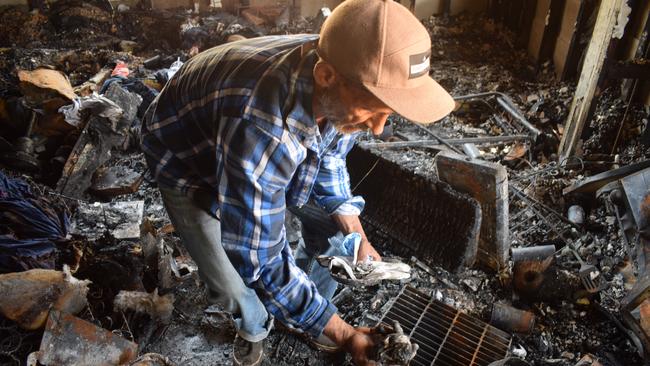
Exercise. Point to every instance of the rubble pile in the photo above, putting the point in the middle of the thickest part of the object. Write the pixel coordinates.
(75, 80)
(570, 322)
(617, 123)
(23, 28)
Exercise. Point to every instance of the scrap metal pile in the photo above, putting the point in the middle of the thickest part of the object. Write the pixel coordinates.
(516, 258)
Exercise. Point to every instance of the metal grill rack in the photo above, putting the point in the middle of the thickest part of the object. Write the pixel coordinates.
(446, 336)
(531, 221)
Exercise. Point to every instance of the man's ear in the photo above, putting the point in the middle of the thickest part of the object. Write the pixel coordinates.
(324, 74)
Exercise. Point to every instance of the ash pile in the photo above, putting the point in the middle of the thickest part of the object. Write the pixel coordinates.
(518, 256)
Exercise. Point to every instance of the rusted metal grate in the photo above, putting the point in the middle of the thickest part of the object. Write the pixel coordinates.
(410, 213)
(446, 336)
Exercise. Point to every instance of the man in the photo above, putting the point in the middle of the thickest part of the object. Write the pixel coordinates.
(246, 130)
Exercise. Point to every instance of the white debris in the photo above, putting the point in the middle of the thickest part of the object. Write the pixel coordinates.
(519, 351)
(621, 21)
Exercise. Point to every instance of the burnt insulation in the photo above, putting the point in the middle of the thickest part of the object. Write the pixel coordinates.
(415, 215)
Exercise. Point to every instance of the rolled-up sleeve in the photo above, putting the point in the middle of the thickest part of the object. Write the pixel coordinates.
(252, 200)
(332, 187)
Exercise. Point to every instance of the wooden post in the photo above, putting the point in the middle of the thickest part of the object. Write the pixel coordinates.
(581, 106)
(564, 55)
(544, 29)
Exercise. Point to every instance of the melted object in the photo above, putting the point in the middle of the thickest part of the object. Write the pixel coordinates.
(396, 349)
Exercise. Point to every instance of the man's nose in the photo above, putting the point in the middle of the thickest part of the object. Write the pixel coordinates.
(376, 124)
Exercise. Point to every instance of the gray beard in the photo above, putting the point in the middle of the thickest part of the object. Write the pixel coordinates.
(335, 114)
(330, 108)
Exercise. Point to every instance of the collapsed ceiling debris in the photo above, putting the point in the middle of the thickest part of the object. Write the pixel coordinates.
(516, 258)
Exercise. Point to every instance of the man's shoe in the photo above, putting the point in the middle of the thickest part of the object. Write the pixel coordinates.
(247, 353)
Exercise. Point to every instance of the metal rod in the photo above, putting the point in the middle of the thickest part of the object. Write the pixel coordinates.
(502, 123)
(30, 125)
(432, 143)
(451, 312)
(460, 98)
(443, 342)
(440, 139)
(477, 352)
(510, 107)
(504, 101)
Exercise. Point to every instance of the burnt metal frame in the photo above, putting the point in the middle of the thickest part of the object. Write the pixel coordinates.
(502, 99)
(498, 341)
(641, 290)
(432, 143)
(509, 106)
(633, 300)
(537, 208)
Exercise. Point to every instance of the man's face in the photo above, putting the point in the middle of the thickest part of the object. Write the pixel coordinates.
(352, 109)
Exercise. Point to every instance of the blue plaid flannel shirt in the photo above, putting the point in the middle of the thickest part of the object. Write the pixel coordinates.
(235, 124)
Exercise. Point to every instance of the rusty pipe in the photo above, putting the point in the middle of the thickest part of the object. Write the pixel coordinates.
(508, 318)
(533, 254)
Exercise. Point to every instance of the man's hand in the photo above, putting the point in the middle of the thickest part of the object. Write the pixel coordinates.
(366, 249)
(358, 341)
(351, 224)
(362, 346)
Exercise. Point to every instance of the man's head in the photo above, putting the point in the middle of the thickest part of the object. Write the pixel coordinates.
(375, 61)
(349, 107)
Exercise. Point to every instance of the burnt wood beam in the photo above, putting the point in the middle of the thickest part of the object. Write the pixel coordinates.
(591, 75)
(634, 69)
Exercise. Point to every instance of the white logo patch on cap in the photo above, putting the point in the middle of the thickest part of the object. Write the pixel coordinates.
(419, 64)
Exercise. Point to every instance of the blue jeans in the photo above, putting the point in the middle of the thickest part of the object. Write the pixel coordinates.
(201, 235)
(317, 228)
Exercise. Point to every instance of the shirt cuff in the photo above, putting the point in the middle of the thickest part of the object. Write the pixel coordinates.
(317, 328)
(353, 206)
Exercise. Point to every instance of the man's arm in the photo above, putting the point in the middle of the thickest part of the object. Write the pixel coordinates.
(252, 213)
(332, 192)
(256, 170)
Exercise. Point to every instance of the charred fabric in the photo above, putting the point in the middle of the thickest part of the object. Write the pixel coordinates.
(517, 257)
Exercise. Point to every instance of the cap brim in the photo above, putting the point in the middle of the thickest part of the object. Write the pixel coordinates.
(426, 103)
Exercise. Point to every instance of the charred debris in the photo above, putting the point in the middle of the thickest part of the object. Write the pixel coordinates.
(523, 215)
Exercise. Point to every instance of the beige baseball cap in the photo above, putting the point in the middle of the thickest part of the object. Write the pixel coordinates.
(382, 46)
